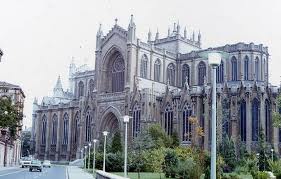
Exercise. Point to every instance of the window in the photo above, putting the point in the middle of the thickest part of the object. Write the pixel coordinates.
(220, 73)
(201, 73)
(267, 120)
(157, 68)
(243, 119)
(168, 120)
(255, 120)
(136, 120)
(88, 126)
(246, 68)
(143, 69)
(185, 74)
(171, 74)
(91, 85)
(234, 68)
(225, 117)
(44, 127)
(80, 89)
(65, 128)
(54, 129)
(118, 73)
(257, 68)
(186, 125)
(76, 128)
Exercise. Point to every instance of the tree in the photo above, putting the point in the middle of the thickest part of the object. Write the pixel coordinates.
(9, 116)
(26, 136)
(227, 152)
(116, 145)
(262, 157)
(276, 116)
(159, 137)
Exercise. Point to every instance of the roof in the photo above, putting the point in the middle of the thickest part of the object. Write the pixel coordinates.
(4, 84)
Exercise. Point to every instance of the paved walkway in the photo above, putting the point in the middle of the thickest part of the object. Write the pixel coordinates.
(8, 168)
(75, 172)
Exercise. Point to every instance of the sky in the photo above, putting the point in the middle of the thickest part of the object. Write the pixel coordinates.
(40, 37)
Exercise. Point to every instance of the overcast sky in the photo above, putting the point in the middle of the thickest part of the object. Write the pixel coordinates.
(39, 37)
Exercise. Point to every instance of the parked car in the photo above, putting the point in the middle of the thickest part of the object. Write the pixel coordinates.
(47, 163)
(35, 165)
(25, 162)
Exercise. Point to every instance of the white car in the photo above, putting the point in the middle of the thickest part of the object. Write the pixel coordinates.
(47, 163)
(25, 162)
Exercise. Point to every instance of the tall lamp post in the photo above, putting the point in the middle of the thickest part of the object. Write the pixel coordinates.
(89, 156)
(94, 160)
(85, 157)
(104, 149)
(272, 154)
(214, 59)
(126, 121)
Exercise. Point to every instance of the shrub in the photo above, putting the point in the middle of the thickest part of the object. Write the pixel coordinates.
(114, 162)
(259, 175)
(154, 160)
(170, 163)
(116, 145)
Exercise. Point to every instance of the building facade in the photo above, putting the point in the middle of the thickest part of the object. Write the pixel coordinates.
(164, 80)
(10, 148)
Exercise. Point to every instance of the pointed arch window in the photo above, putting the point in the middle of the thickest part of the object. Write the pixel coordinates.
(136, 120)
(44, 130)
(255, 120)
(185, 74)
(88, 126)
(257, 68)
(143, 69)
(168, 119)
(246, 68)
(201, 73)
(157, 70)
(65, 128)
(225, 117)
(171, 74)
(91, 85)
(76, 127)
(118, 74)
(54, 129)
(234, 69)
(243, 120)
(220, 73)
(80, 89)
(186, 124)
(267, 120)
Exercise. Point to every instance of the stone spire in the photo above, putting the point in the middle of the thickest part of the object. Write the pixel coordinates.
(178, 28)
(199, 38)
(184, 33)
(132, 30)
(169, 32)
(99, 33)
(58, 84)
(157, 35)
(174, 28)
(35, 101)
(193, 36)
(149, 36)
(98, 38)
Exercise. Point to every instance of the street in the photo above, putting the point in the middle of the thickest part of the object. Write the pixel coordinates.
(55, 172)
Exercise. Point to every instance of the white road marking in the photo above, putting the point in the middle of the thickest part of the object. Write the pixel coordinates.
(12, 173)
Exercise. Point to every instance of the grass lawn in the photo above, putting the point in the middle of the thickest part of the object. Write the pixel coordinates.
(148, 175)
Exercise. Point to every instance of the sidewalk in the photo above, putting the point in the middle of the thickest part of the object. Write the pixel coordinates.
(9, 168)
(75, 172)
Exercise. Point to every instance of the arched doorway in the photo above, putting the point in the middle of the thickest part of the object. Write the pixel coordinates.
(110, 123)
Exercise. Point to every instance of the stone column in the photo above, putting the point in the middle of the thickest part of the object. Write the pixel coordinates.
(47, 148)
(248, 124)
(38, 135)
(68, 156)
(58, 135)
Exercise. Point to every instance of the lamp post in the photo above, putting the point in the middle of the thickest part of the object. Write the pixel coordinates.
(104, 149)
(85, 157)
(214, 59)
(272, 154)
(94, 160)
(126, 121)
(89, 156)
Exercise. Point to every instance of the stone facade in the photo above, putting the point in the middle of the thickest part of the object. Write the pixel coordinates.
(165, 81)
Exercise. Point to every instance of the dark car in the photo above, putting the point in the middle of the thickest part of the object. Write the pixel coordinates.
(35, 165)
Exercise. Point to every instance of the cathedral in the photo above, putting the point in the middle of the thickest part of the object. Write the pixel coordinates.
(164, 80)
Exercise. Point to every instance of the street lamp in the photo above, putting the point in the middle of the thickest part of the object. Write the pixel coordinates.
(85, 157)
(104, 149)
(126, 121)
(89, 156)
(272, 154)
(214, 59)
(94, 160)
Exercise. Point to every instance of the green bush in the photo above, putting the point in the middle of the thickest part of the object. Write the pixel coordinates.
(230, 176)
(260, 175)
(170, 163)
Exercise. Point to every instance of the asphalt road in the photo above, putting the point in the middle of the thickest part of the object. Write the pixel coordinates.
(55, 172)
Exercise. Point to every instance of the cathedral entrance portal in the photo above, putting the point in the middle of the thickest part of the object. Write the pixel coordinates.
(110, 123)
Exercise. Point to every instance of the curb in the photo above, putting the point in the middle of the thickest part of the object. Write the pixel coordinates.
(66, 173)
